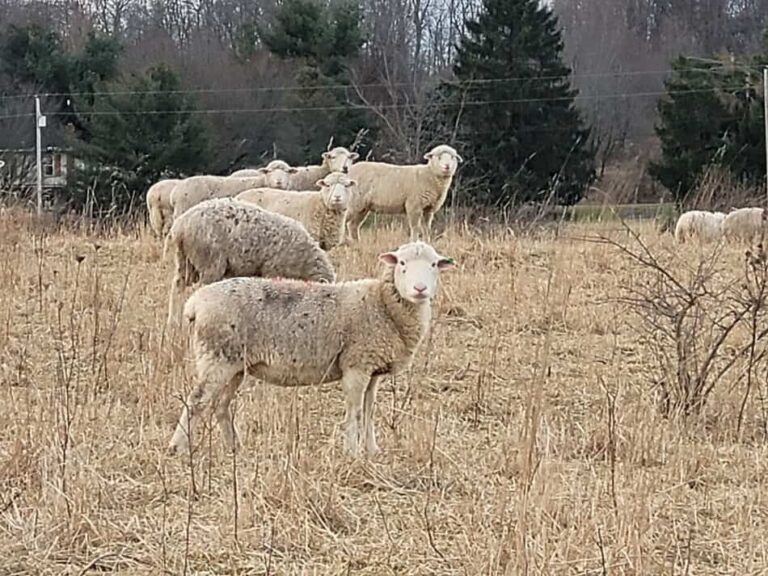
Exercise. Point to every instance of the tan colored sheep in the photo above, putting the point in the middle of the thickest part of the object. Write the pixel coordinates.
(293, 333)
(338, 159)
(281, 170)
(418, 191)
(159, 205)
(223, 237)
(322, 212)
(699, 224)
(744, 224)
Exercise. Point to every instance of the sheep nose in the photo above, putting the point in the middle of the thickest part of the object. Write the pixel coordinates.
(420, 287)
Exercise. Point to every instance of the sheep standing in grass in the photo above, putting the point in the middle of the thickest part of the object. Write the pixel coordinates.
(277, 166)
(159, 205)
(196, 189)
(699, 224)
(321, 212)
(338, 159)
(744, 224)
(415, 190)
(222, 237)
(292, 333)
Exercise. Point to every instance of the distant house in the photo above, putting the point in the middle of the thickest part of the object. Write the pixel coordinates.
(19, 173)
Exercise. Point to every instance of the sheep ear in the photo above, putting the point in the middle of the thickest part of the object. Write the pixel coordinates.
(445, 263)
(354, 156)
(320, 183)
(292, 170)
(428, 155)
(459, 158)
(262, 171)
(389, 258)
(325, 154)
(350, 183)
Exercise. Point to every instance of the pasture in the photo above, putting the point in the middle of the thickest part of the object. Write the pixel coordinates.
(526, 439)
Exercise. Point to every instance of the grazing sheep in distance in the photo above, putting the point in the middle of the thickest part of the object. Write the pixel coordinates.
(338, 159)
(744, 224)
(159, 205)
(194, 190)
(706, 226)
(291, 333)
(417, 190)
(280, 169)
(322, 212)
(223, 237)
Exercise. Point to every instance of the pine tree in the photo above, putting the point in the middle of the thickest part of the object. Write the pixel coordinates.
(321, 39)
(712, 115)
(143, 131)
(513, 108)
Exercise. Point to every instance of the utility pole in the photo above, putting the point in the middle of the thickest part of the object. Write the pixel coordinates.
(40, 122)
(765, 113)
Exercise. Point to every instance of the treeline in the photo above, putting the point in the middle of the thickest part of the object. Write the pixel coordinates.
(537, 97)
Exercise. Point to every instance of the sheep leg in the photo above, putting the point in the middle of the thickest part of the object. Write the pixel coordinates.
(224, 414)
(414, 223)
(174, 298)
(354, 383)
(371, 447)
(354, 223)
(427, 224)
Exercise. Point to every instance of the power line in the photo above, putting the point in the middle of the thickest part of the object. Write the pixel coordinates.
(296, 88)
(338, 108)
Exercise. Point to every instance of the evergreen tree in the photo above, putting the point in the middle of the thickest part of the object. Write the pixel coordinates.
(712, 116)
(513, 108)
(143, 131)
(321, 39)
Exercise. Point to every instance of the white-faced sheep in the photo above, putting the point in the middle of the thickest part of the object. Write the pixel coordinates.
(223, 237)
(699, 224)
(745, 224)
(291, 333)
(322, 212)
(192, 191)
(338, 159)
(417, 190)
(159, 205)
(281, 171)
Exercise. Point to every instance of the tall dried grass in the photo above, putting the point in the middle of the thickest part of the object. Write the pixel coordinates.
(526, 439)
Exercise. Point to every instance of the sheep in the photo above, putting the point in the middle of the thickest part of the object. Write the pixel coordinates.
(224, 237)
(744, 224)
(706, 226)
(417, 190)
(194, 190)
(272, 166)
(321, 212)
(159, 205)
(293, 333)
(338, 159)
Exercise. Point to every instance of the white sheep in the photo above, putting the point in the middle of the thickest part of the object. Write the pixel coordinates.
(223, 237)
(338, 159)
(322, 212)
(282, 171)
(292, 333)
(159, 205)
(192, 191)
(699, 224)
(744, 224)
(417, 190)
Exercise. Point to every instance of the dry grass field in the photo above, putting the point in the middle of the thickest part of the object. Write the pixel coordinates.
(526, 439)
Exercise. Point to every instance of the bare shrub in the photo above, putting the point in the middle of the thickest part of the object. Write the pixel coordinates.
(704, 325)
(717, 189)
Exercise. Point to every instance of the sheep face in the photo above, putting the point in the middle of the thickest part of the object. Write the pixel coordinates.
(339, 159)
(417, 268)
(443, 160)
(278, 174)
(336, 189)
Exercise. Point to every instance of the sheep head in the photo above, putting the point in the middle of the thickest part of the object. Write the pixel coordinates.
(417, 267)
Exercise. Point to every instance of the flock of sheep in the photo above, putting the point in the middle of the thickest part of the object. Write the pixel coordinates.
(268, 303)
(742, 224)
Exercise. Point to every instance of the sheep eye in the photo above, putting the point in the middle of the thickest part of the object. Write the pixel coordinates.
(434, 264)
(402, 263)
